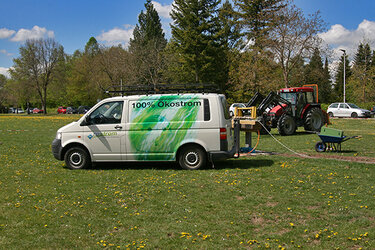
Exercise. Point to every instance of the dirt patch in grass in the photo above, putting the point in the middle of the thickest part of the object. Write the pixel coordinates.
(358, 159)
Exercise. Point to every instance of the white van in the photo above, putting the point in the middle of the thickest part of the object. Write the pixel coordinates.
(192, 129)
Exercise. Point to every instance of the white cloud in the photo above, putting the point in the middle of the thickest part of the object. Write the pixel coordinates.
(4, 71)
(163, 10)
(3, 51)
(35, 33)
(338, 37)
(117, 36)
(5, 33)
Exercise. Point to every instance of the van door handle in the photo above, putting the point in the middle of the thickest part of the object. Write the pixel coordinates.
(118, 127)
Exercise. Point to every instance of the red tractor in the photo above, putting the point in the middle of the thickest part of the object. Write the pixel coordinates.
(289, 109)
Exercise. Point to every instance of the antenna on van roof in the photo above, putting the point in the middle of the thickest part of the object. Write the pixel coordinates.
(163, 89)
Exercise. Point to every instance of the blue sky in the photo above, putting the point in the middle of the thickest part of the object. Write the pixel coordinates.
(73, 22)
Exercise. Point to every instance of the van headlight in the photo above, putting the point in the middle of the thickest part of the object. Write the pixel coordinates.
(58, 135)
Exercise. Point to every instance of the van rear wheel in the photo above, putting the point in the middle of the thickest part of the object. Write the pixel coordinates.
(77, 158)
(192, 158)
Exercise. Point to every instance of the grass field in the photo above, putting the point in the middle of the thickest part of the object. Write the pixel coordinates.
(260, 201)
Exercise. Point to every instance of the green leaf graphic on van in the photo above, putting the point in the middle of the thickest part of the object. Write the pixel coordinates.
(158, 125)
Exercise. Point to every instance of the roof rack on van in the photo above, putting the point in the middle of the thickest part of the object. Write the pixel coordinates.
(163, 89)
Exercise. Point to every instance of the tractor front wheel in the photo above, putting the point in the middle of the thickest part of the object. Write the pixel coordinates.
(286, 125)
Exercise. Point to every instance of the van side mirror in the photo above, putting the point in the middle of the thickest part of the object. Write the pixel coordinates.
(86, 121)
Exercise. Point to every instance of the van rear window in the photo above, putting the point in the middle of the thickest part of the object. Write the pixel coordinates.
(225, 106)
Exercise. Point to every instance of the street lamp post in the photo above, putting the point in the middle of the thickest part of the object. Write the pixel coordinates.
(344, 69)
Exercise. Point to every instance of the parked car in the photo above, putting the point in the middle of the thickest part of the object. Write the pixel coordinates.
(373, 111)
(71, 110)
(235, 105)
(37, 111)
(347, 110)
(20, 111)
(29, 110)
(16, 110)
(61, 110)
(83, 109)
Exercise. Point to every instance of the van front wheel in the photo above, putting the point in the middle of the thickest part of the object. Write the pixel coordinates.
(77, 158)
(192, 158)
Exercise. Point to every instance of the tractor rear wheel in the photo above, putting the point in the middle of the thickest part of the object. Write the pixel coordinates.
(286, 125)
(314, 120)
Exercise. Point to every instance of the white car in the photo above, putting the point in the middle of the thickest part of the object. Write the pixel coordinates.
(347, 110)
(235, 105)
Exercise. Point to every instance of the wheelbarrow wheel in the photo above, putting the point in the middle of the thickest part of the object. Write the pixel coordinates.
(320, 147)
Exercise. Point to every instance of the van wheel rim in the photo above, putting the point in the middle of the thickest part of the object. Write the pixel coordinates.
(76, 159)
(192, 158)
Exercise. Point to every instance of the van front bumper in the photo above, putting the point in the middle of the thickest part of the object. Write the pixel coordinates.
(57, 149)
(221, 155)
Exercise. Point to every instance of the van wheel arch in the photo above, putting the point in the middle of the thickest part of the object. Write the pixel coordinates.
(192, 150)
(76, 145)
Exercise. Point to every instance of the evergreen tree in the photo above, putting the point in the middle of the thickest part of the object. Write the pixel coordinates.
(325, 91)
(229, 31)
(316, 73)
(228, 36)
(92, 47)
(363, 56)
(339, 78)
(257, 17)
(314, 69)
(195, 42)
(297, 73)
(147, 46)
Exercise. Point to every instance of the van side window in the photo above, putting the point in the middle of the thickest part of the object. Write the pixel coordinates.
(206, 110)
(107, 113)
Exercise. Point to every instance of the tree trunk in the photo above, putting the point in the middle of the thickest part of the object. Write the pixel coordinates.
(45, 100)
(286, 76)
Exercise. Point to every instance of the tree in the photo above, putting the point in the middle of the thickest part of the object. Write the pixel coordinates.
(256, 18)
(294, 36)
(317, 73)
(3, 81)
(195, 45)
(362, 80)
(325, 91)
(116, 64)
(147, 46)
(297, 73)
(253, 73)
(92, 47)
(228, 35)
(37, 65)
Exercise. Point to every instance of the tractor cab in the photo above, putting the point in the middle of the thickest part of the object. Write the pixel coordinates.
(300, 98)
(306, 94)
